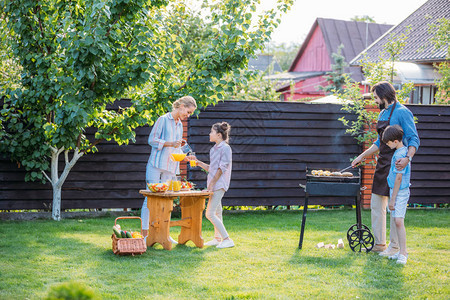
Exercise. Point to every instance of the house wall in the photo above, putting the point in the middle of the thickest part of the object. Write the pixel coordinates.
(315, 57)
(306, 89)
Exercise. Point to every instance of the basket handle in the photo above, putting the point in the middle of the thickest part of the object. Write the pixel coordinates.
(115, 221)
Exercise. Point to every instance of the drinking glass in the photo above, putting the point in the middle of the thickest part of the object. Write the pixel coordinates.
(193, 162)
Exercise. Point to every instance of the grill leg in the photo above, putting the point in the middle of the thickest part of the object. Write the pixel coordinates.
(358, 210)
(305, 209)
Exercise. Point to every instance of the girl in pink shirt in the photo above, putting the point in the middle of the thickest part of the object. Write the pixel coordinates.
(219, 175)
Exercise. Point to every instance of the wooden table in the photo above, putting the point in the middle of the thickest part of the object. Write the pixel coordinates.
(160, 207)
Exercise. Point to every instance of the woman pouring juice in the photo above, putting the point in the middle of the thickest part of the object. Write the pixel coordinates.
(165, 138)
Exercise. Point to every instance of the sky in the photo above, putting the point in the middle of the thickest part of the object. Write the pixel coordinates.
(296, 24)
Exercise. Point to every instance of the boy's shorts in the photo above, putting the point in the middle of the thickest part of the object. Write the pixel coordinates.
(400, 203)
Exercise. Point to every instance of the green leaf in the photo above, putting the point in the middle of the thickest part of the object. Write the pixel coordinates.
(88, 41)
(90, 52)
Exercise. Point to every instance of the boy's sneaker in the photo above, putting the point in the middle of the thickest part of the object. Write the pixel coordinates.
(228, 243)
(402, 259)
(389, 251)
(213, 242)
(395, 256)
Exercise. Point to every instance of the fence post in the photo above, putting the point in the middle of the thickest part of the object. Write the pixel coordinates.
(368, 170)
(183, 165)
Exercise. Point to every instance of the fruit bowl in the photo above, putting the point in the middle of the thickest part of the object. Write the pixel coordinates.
(186, 185)
(158, 187)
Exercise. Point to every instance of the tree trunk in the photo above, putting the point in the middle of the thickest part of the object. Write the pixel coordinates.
(56, 207)
(58, 181)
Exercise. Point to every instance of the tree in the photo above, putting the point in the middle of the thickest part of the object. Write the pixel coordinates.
(336, 77)
(78, 57)
(256, 87)
(364, 18)
(441, 40)
(284, 53)
(9, 66)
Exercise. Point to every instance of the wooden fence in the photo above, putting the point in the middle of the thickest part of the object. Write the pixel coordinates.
(110, 178)
(272, 144)
(430, 176)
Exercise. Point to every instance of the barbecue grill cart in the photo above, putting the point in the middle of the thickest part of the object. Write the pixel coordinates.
(358, 235)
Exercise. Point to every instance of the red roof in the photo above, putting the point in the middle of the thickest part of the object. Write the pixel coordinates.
(324, 39)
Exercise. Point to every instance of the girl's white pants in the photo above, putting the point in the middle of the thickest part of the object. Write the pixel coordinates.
(214, 214)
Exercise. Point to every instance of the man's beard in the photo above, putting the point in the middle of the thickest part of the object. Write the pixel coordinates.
(382, 106)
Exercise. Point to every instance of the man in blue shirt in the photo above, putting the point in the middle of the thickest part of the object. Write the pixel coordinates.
(392, 113)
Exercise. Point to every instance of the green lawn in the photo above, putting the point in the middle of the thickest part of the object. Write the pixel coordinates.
(265, 264)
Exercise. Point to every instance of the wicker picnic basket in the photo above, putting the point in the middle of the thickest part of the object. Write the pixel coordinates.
(127, 246)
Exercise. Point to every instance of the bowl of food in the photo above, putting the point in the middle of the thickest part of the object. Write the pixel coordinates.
(158, 187)
(186, 185)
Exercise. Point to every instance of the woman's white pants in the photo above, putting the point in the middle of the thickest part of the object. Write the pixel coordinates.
(153, 175)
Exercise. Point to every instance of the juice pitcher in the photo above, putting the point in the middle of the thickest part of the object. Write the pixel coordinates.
(185, 148)
(177, 155)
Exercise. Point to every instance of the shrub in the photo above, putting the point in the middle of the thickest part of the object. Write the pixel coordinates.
(72, 290)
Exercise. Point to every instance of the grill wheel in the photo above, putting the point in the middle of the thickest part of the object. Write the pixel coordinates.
(361, 240)
(354, 228)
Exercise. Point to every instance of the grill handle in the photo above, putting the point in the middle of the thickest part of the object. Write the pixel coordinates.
(345, 169)
(303, 186)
